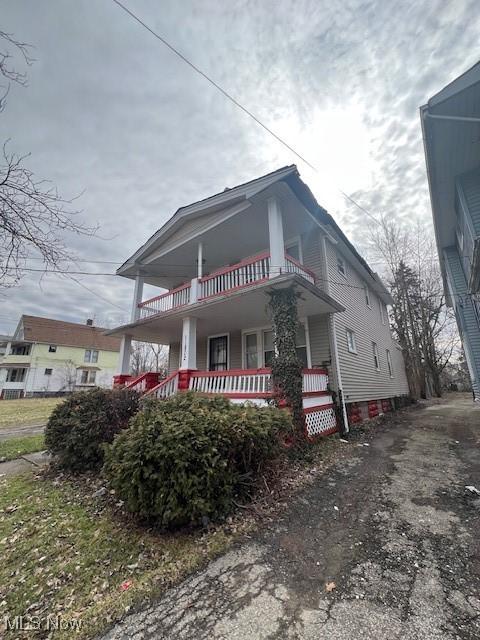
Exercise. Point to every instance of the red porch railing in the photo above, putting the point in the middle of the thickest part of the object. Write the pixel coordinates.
(252, 270)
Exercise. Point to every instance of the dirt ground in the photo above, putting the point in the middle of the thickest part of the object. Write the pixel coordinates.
(383, 547)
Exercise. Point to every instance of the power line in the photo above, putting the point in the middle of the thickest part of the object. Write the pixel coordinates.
(234, 101)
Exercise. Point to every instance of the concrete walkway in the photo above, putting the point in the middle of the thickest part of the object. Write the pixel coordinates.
(386, 547)
(28, 462)
(7, 433)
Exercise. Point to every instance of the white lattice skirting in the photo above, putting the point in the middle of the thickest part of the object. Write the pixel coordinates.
(320, 422)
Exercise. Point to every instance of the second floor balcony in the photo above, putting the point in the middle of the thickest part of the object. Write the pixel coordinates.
(250, 271)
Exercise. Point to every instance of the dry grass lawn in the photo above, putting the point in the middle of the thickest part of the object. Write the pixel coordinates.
(26, 412)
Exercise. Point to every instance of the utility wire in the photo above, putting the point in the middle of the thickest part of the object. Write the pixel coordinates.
(234, 101)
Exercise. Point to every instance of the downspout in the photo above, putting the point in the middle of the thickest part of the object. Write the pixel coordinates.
(333, 340)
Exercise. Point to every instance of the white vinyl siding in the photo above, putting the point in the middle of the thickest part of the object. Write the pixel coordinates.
(358, 384)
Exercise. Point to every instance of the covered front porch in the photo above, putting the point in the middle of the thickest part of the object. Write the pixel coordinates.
(225, 345)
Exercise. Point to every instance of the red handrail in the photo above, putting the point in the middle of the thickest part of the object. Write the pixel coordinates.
(186, 285)
(243, 263)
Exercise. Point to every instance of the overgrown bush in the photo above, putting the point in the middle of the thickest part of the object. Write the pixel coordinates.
(187, 458)
(80, 426)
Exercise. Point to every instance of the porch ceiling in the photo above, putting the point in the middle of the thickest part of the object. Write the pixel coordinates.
(233, 311)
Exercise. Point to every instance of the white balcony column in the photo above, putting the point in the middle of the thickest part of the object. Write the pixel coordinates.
(195, 282)
(189, 344)
(137, 298)
(275, 234)
(124, 357)
(200, 260)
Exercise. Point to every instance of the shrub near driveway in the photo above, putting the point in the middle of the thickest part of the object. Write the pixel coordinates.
(186, 458)
(79, 427)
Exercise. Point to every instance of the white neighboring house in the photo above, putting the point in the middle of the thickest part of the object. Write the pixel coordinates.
(49, 357)
(219, 257)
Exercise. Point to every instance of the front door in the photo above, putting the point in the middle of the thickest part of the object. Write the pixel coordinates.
(218, 353)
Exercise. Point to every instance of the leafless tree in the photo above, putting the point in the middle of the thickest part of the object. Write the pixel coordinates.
(68, 376)
(33, 216)
(424, 326)
(147, 356)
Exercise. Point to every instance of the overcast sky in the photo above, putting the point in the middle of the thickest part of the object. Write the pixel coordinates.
(110, 112)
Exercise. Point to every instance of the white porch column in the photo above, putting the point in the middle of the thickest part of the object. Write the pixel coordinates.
(189, 344)
(200, 260)
(137, 298)
(124, 357)
(275, 234)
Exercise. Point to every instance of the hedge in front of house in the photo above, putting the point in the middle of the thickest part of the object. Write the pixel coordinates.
(79, 427)
(189, 457)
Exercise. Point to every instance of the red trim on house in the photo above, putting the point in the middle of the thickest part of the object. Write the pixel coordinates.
(229, 372)
(301, 266)
(308, 394)
(186, 285)
(328, 432)
(320, 407)
(240, 286)
(231, 267)
(162, 382)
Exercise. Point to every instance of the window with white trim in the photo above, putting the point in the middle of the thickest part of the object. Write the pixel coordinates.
(258, 347)
(376, 359)
(383, 312)
(341, 268)
(91, 355)
(351, 342)
(389, 363)
(87, 376)
(48, 372)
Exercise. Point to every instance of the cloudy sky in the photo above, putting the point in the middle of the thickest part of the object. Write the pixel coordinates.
(111, 113)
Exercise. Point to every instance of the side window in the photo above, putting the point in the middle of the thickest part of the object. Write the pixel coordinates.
(389, 363)
(351, 342)
(48, 372)
(88, 355)
(367, 296)
(376, 359)
(341, 268)
(383, 312)
(52, 348)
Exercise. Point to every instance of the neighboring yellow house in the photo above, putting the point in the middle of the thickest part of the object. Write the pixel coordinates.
(46, 356)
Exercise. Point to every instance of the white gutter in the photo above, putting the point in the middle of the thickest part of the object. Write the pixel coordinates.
(456, 118)
(333, 331)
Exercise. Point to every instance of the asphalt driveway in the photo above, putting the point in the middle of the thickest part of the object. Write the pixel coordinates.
(385, 547)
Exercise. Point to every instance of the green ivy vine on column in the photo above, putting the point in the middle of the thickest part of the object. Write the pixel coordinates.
(286, 366)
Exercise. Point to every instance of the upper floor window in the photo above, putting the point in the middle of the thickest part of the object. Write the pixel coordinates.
(292, 249)
(52, 348)
(48, 372)
(383, 312)
(351, 342)
(376, 359)
(341, 268)
(20, 350)
(367, 296)
(91, 355)
(389, 363)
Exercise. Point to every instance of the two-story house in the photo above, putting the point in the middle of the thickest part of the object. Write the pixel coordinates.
(219, 257)
(49, 357)
(451, 135)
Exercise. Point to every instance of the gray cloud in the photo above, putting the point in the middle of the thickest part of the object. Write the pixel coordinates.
(113, 114)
